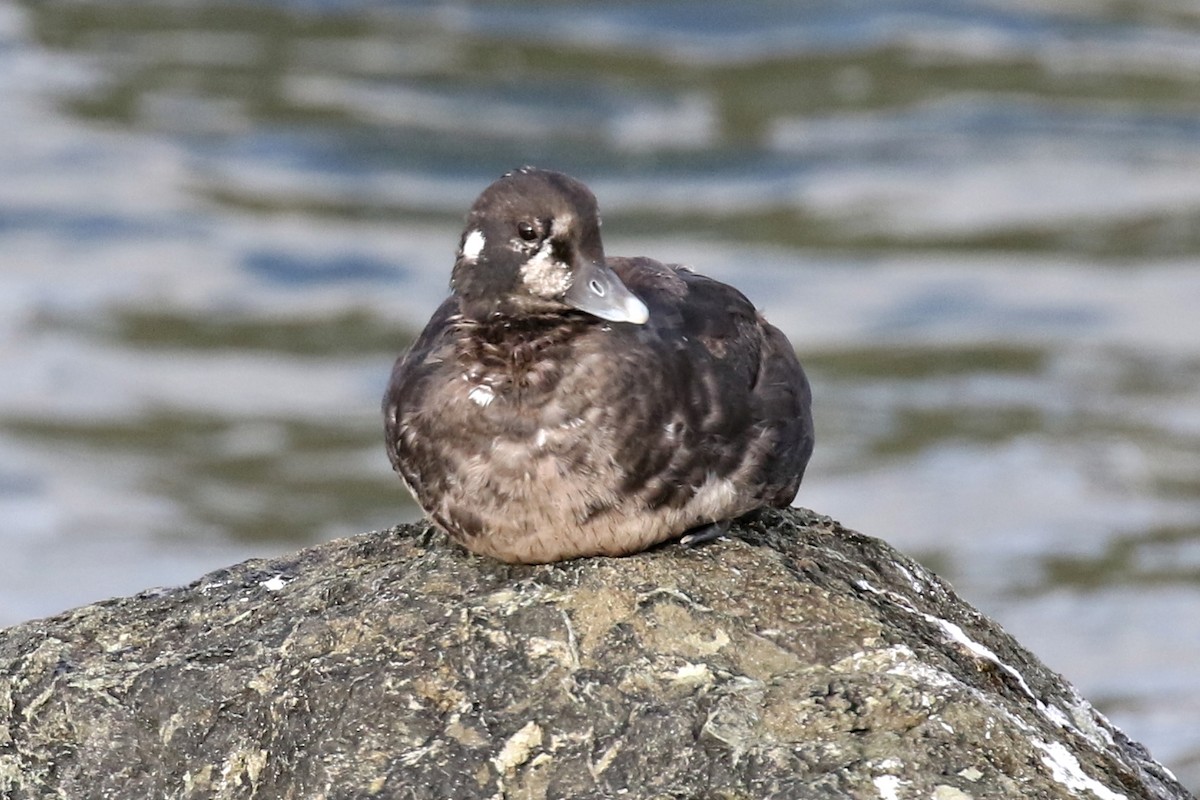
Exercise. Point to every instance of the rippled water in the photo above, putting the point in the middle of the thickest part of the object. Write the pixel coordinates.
(978, 221)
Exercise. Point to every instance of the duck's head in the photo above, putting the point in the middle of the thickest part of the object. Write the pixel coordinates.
(532, 246)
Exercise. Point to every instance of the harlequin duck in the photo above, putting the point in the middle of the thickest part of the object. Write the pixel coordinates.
(560, 403)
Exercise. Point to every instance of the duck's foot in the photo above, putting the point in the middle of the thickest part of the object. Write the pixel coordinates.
(704, 533)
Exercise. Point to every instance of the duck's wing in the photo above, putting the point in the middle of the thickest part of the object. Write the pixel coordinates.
(727, 398)
(409, 386)
(784, 399)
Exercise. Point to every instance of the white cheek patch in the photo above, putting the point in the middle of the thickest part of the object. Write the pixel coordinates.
(473, 245)
(544, 274)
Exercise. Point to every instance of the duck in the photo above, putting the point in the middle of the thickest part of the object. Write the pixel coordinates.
(561, 403)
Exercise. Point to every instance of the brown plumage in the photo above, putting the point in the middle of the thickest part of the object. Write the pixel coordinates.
(561, 404)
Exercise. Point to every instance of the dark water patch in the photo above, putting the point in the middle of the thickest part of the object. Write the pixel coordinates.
(294, 270)
(250, 479)
(350, 332)
(1161, 557)
(249, 200)
(970, 304)
(1102, 237)
(1116, 703)
(920, 363)
(162, 432)
(939, 562)
(1175, 482)
(269, 498)
(1109, 238)
(86, 227)
(912, 430)
(1135, 373)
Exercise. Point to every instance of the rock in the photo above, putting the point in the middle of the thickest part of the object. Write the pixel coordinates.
(797, 659)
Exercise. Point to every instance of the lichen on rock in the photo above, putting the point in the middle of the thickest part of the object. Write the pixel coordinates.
(794, 659)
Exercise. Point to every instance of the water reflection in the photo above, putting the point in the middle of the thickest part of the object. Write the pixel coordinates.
(220, 222)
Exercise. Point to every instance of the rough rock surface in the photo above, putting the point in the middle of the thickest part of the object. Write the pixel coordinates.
(798, 659)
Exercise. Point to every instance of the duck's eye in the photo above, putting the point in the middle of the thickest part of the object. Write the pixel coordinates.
(527, 231)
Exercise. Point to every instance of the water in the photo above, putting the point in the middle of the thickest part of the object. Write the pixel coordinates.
(978, 221)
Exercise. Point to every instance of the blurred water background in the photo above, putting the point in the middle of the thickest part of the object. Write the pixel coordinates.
(979, 222)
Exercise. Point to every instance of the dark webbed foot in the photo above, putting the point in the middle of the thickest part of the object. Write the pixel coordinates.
(702, 534)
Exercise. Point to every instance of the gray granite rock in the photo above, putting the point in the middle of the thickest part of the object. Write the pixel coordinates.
(797, 659)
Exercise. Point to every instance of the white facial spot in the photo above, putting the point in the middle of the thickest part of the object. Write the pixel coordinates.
(539, 438)
(544, 274)
(482, 395)
(473, 245)
(561, 225)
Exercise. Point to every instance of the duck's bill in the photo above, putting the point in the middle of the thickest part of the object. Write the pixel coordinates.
(597, 290)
